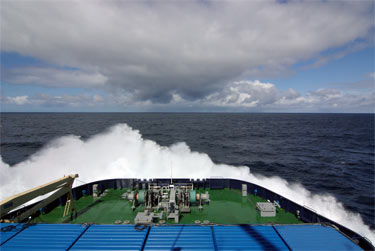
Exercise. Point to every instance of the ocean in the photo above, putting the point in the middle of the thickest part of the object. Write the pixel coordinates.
(327, 154)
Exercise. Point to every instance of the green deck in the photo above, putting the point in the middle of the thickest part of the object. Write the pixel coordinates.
(226, 207)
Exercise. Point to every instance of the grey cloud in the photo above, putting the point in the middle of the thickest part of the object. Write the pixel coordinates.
(54, 77)
(153, 50)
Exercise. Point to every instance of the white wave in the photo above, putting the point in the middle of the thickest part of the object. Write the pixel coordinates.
(121, 152)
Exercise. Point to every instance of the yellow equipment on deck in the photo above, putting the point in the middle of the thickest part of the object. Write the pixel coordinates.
(60, 186)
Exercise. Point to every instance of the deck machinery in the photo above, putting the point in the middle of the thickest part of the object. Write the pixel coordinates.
(164, 202)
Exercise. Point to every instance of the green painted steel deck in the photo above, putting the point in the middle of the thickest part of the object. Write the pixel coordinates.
(227, 206)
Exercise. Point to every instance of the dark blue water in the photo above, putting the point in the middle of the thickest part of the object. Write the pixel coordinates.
(327, 153)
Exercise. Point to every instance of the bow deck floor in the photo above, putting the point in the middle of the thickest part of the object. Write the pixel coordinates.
(227, 206)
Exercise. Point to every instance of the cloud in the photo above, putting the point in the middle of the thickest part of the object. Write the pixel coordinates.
(19, 100)
(322, 60)
(54, 77)
(255, 96)
(367, 84)
(52, 101)
(152, 51)
(328, 100)
(266, 96)
(245, 96)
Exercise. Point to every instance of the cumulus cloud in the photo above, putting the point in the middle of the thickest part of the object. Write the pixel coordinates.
(152, 51)
(244, 93)
(18, 100)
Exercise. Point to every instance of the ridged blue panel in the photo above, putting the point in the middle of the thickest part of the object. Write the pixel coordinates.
(4, 236)
(45, 237)
(246, 237)
(111, 237)
(315, 237)
(180, 238)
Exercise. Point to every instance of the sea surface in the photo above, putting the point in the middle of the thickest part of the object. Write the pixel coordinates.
(326, 153)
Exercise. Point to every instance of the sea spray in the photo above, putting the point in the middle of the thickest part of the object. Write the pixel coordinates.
(121, 152)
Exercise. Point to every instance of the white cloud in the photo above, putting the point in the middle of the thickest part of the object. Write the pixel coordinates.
(245, 94)
(328, 100)
(153, 50)
(18, 100)
(98, 99)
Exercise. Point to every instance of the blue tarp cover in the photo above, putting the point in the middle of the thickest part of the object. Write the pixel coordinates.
(14, 228)
(315, 237)
(247, 237)
(44, 237)
(180, 238)
(173, 237)
(111, 237)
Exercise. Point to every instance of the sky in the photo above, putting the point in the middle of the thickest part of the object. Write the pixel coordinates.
(187, 56)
